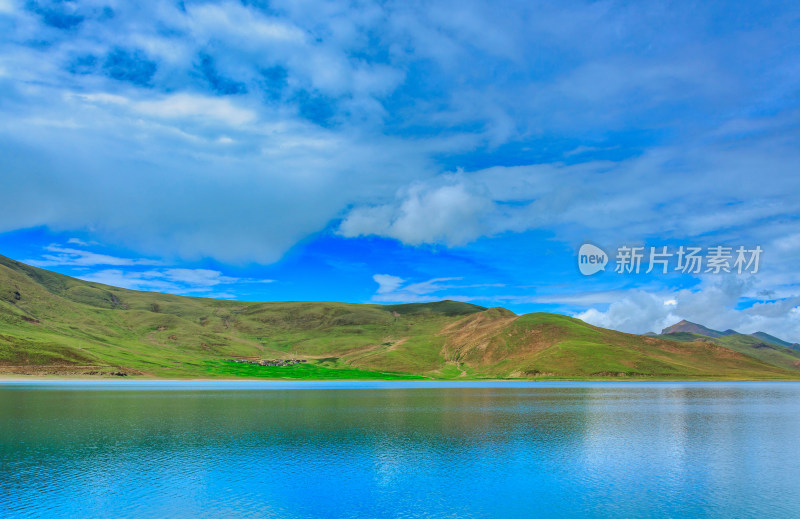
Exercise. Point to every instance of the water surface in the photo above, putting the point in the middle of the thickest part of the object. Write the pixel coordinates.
(399, 449)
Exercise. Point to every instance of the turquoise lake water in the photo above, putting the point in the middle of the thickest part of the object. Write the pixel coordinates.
(401, 449)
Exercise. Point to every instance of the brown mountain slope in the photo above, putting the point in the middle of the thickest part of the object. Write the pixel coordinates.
(542, 343)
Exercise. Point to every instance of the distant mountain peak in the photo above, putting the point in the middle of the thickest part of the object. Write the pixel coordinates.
(685, 326)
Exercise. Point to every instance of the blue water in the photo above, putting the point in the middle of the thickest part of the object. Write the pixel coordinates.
(399, 449)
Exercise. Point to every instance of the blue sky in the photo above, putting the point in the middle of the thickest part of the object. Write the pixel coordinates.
(408, 151)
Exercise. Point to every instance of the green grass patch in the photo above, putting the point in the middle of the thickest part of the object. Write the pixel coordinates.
(306, 371)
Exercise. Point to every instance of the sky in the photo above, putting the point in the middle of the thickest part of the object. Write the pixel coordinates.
(410, 151)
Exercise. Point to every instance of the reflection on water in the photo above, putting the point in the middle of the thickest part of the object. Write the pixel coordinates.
(400, 450)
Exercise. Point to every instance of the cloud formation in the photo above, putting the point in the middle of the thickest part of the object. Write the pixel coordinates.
(394, 289)
(58, 255)
(226, 130)
(716, 192)
(716, 304)
(141, 273)
(234, 131)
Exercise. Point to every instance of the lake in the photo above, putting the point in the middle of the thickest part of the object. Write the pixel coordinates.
(399, 449)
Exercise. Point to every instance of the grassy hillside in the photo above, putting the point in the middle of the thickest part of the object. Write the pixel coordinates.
(750, 345)
(50, 323)
(771, 339)
(548, 344)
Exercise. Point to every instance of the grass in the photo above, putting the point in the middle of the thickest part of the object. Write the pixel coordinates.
(307, 371)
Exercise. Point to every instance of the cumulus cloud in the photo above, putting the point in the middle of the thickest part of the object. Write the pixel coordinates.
(444, 214)
(716, 304)
(636, 312)
(204, 187)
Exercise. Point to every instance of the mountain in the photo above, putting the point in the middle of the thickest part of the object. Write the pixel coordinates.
(55, 324)
(698, 329)
(760, 345)
(689, 327)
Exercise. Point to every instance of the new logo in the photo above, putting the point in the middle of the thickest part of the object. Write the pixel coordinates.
(591, 259)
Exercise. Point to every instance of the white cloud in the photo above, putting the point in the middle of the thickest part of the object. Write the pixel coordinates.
(233, 21)
(63, 256)
(131, 274)
(197, 107)
(196, 277)
(393, 289)
(387, 283)
(177, 106)
(637, 312)
(130, 280)
(174, 281)
(449, 214)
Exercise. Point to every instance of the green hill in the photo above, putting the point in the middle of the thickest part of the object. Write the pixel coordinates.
(55, 324)
(771, 339)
